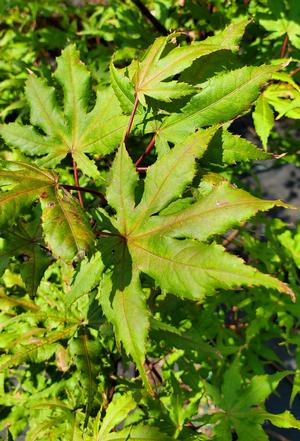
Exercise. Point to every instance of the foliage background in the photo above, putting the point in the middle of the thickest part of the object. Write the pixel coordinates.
(234, 338)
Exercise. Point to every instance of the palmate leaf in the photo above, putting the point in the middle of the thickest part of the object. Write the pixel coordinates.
(66, 229)
(169, 248)
(153, 70)
(242, 407)
(74, 130)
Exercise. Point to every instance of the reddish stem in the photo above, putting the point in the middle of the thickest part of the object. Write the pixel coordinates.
(86, 190)
(136, 103)
(148, 149)
(295, 71)
(77, 182)
(284, 46)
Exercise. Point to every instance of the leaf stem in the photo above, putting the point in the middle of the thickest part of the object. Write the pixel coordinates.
(82, 189)
(295, 71)
(148, 149)
(136, 103)
(233, 235)
(284, 46)
(76, 179)
(145, 11)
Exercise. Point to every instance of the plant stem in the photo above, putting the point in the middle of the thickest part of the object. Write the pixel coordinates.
(87, 190)
(295, 71)
(233, 235)
(76, 179)
(148, 149)
(136, 103)
(145, 11)
(284, 46)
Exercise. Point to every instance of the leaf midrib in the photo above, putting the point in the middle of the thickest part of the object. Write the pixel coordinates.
(96, 123)
(191, 115)
(187, 218)
(60, 203)
(189, 265)
(13, 194)
(155, 196)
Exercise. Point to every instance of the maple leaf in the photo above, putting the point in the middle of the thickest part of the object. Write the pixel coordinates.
(73, 130)
(168, 243)
(242, 407)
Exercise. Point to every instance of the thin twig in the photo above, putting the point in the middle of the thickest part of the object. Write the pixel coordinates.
(75, 171)
(148, 149)
(295, 71)
(145, 11)
(141, 169)
(86, 190)
(233, 235)
(136, 103)
(284, 46)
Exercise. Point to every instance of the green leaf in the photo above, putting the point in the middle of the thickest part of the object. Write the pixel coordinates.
(82, 284)
(66, 230)
(75, 130)
(241, 407)
(25, 240)
(285, 420)
(29, 183)
(237, 149)
(169, 247)
(123, 89)
(30, 350)
(116, 412)
(154, 69)
(223, 98)
(216, 212)
(137, 433)
(260, 387)
(263, 117)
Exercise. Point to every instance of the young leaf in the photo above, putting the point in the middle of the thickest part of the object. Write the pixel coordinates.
(153, 70)
(75, 130)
